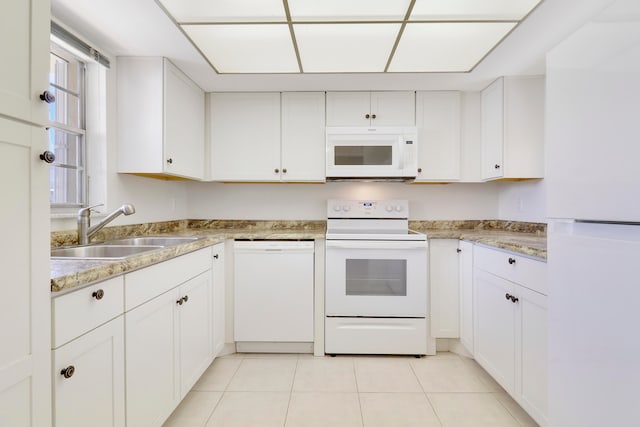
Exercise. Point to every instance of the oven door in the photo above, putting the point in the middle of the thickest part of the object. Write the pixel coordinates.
(376, 278)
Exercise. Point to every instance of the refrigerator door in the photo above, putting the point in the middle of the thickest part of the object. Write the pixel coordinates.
(592, 119)
(594, 324)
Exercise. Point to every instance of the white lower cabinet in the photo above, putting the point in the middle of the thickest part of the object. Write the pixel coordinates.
(88, 379)
(466, 294)
(88, 356)
(218, 302)
(151, 354)
(510, 325)
(444, 288)
(168, 347)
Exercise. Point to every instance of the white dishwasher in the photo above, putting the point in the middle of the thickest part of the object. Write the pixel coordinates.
(273, 292)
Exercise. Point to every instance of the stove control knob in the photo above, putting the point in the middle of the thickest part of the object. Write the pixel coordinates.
(346, 208)
(389, 208)
(337, 208)
(398, 208)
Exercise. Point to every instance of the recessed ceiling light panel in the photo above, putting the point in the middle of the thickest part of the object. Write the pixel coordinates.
(245, 48)
(446, 47)
(348, 10)
(226, 10)
(345, 48)
(472, 9)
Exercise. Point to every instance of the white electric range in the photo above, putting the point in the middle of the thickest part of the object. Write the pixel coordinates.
(376, 281)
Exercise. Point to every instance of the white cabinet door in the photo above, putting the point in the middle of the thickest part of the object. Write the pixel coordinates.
(160, 119)
(393, 109)
(194, 317)
(371, 109)
(183, 124)
(445, 291)
(303, 136)
(25, 307)
(24, 49)
(492, 130)
(531, 345)
(438, 123)
(466, 295)
(218, 299)
(348, 108)
(244, 136)
(151, 353)
(494, 327)
(88, 379)
(513, 128)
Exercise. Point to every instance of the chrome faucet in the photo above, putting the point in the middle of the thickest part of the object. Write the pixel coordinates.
(85, 230)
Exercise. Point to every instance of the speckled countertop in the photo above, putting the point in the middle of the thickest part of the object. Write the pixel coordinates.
(524, 238)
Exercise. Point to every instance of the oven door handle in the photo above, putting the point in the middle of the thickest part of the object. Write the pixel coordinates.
(378, 244)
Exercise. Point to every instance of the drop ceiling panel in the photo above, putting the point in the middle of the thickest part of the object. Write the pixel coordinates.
(348, 10)
(472, 9)
(446, 47)
(346, 48)
(244, 48)
(226, 10)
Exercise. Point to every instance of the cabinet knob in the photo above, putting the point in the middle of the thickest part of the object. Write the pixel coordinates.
(48, 157)
(458, 250)
(276, 170)
(507, 296)
(170, 160)
(68, 371)
(419, 170)
(514, 299)
(180, 301)
(284, 170)
(373, 116)
(496, 167)
(99, 294)
(367, 116)
(48, 97)
(215, 256)
(185, 298)
(512, 261)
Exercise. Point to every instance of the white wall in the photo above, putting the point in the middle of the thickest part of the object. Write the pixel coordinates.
(523, 200)
(308, 201)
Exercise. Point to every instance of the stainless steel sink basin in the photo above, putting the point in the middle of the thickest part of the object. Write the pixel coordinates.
(151, 241)
(101, 251)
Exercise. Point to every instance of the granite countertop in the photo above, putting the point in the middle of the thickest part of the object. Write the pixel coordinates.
(524, 238)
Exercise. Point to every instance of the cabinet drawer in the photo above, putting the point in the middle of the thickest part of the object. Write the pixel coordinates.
(77, 312)
(145, 284)
(516, 268)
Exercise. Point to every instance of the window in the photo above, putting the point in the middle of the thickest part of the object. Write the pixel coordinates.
(67, 129)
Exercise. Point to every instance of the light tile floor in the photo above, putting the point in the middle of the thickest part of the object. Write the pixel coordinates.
(264, 390)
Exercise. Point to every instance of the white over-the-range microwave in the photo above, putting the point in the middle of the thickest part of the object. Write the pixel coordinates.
(372, 153)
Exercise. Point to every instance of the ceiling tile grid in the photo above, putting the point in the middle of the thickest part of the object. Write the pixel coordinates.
(346, 36)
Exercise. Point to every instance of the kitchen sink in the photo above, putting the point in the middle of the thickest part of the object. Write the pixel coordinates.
(101, 251)
(151, 241)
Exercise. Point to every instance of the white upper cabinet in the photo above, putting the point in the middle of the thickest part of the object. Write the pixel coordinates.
(160, 119)
(438, 123)
(371, 109)
(513, 128)
(24, 49)
(303, 136)
(267, 136)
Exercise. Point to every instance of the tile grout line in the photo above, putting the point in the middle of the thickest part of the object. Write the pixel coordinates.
(224, 392)
(506, 408)
(433, 408)
(355, 376)
(293, 381)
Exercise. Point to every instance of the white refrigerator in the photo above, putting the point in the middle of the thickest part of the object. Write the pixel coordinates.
(593, 201)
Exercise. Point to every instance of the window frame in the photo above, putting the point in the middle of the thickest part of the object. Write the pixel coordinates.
(81, 194)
